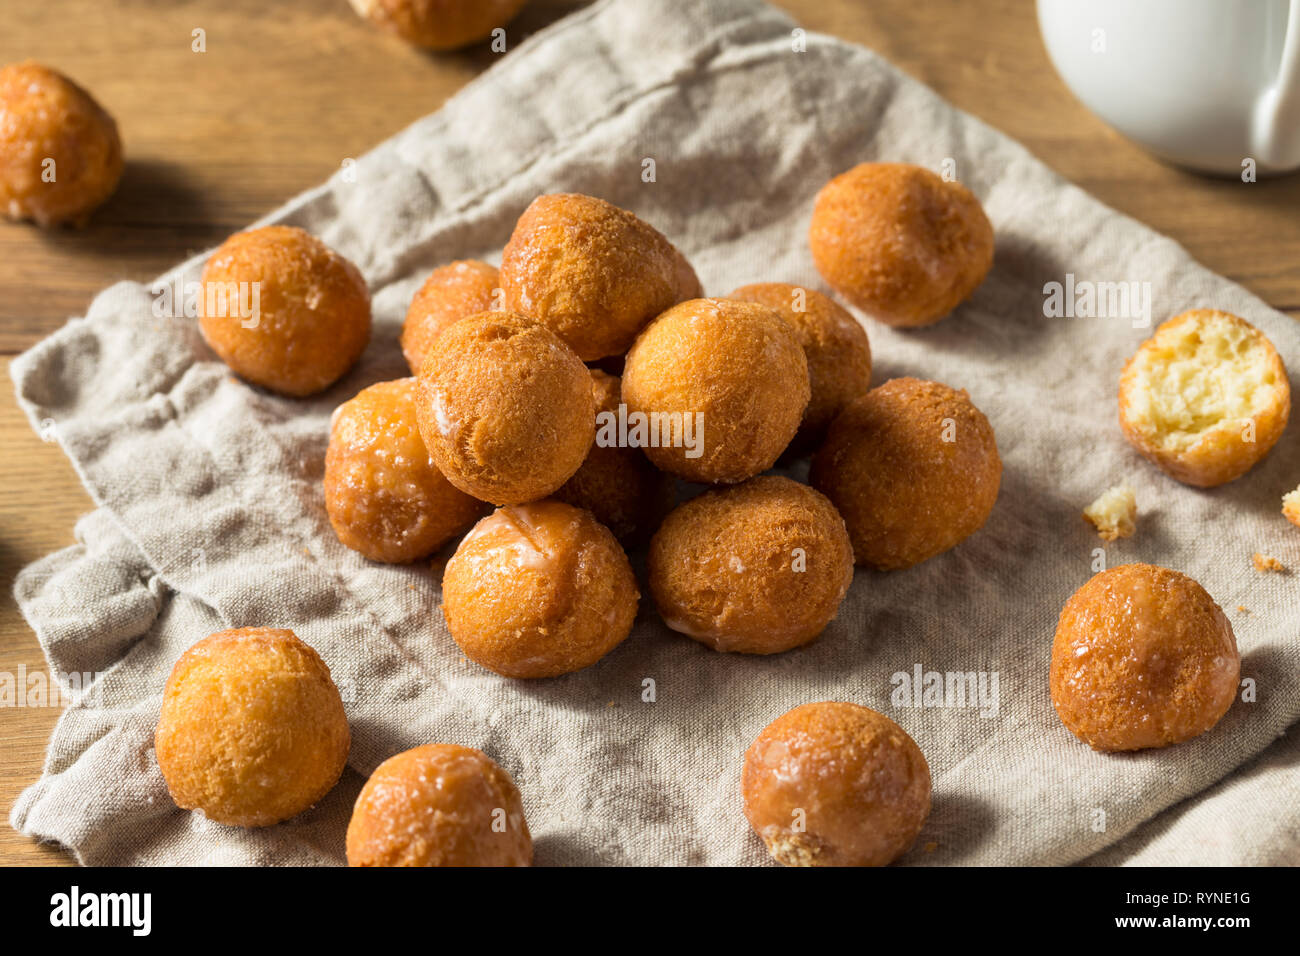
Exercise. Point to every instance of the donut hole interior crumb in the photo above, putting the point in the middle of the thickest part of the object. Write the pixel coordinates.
(1201, 375)
(793, 849)
(1291, 503)
(1114, 513)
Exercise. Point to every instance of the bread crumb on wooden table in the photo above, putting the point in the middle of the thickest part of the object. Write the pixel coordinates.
(1114, 513)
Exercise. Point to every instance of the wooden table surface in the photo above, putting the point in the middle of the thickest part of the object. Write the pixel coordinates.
(285, 92)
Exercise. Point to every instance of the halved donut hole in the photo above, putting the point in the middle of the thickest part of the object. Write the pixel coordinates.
(1205, 398)
(1201, 374)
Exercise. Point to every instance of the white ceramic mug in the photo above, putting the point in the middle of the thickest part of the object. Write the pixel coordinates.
(1208, 84)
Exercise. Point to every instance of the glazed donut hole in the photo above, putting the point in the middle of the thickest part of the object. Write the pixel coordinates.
(538, 590)
(899, 242)
(383, 495)
(1142, 658)
(439, 24)
(284, 310)
(252, 729)
(913, 467)
(439, 805)
(591, 272)
(60, 152)
(617, 484)
(1205, 398)
(731, 380)
(506, 408)
(836, 346)
(757, 568)
(835, 784)
(450, 293)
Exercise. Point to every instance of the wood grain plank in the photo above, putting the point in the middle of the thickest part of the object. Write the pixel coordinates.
(40, 500)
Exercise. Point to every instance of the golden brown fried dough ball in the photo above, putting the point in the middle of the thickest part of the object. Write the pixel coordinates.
(439, 805)
(451, 293)
(757, 569)
(721, 386)
(506, 408)
(1205, 398)
(252, 729)
(592, 272)
(1143, 657)
(439, 24)
(839, 355)
(538, 590)
(284, 310)
(914, 469)
(60, 153)
(899, 242)
(617, 484)
(835, 784)
(383, 494)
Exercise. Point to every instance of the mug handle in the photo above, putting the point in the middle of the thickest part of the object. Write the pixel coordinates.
(1275, 127)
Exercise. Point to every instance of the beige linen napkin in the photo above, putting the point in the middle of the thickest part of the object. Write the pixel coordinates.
(211, 515)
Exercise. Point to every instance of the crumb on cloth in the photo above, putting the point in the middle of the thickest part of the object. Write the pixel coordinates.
(1291, 507)
(1114, 513)
(1264, 562)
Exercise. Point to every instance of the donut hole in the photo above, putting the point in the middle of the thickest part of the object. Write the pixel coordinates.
(538, 590)
(1200, 375)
